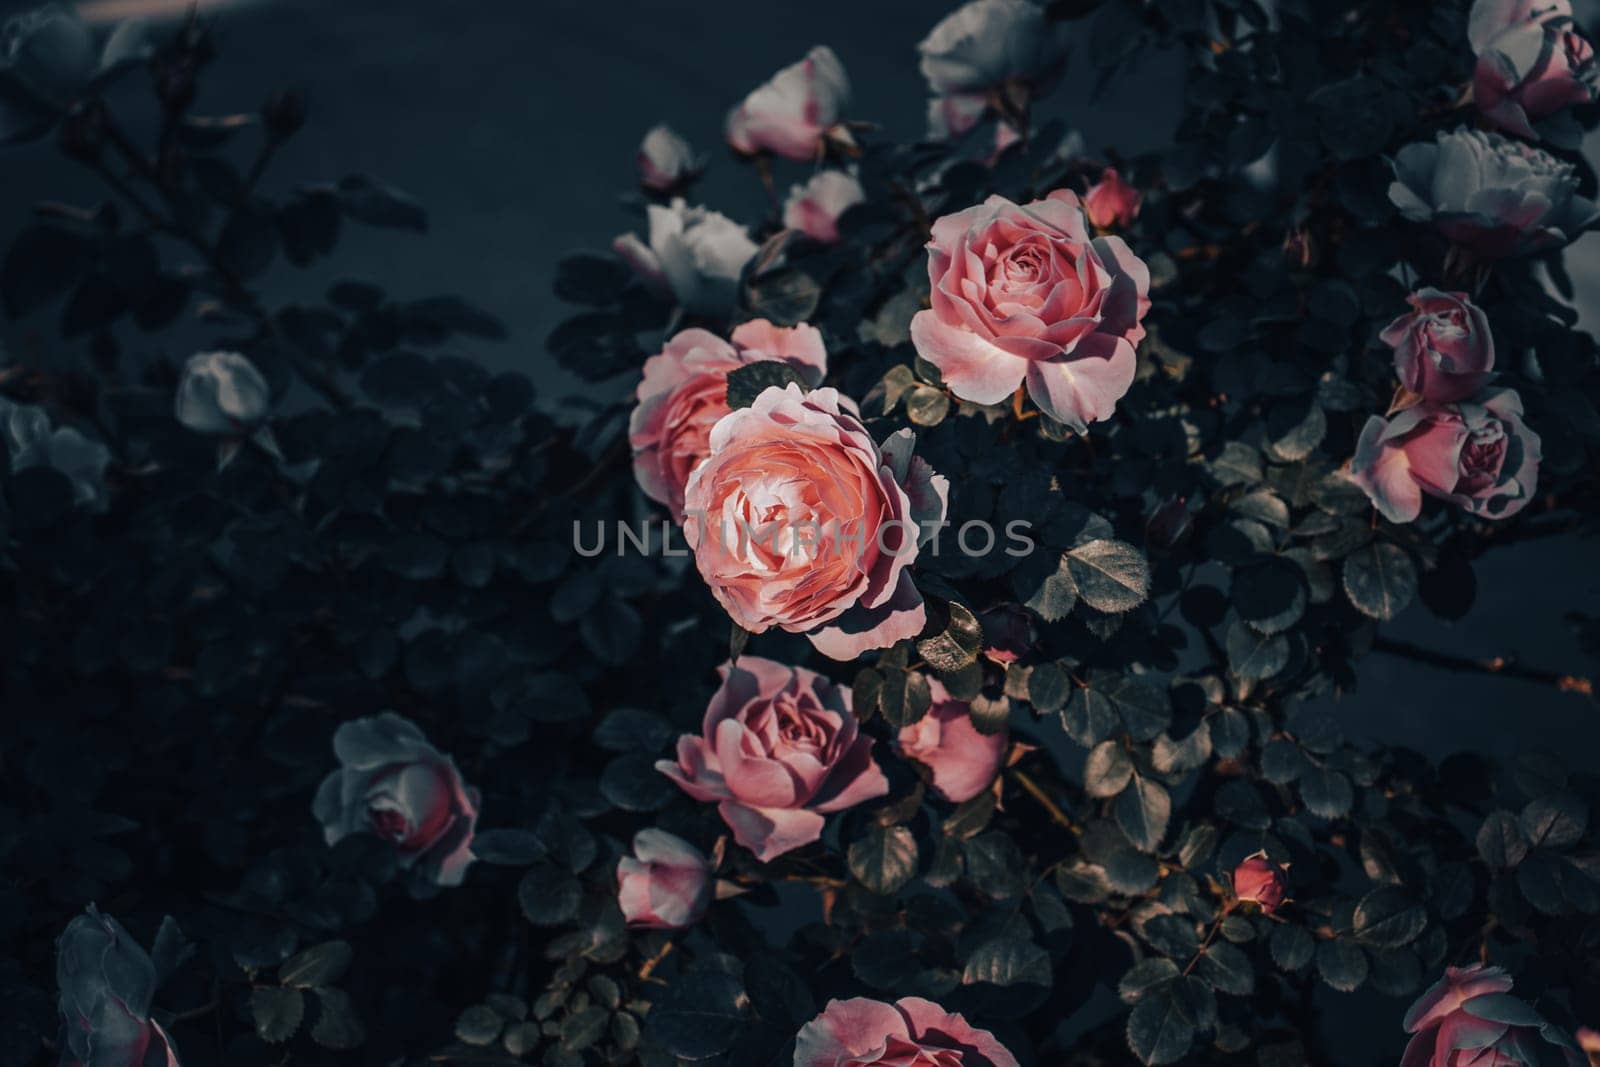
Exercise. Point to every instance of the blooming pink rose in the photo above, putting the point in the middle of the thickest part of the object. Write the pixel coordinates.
(1443, 350)
(684, 392)
(1478, 454)
(394, 784)
(1260, 881)
(666, 162)
(814, 208)
(665, 884)
(962, 761)
(911, 1032)
(1111, 201)
(791, 114)
(799, 520)
(1532, 63)
(778, 750)
(1024, 294)
(1469, 1018)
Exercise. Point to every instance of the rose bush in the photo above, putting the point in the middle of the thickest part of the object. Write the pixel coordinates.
(1044, 569)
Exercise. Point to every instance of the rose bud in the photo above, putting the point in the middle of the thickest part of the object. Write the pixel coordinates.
(1532, 63)
(814, 208)
(106, 984)
(961, 761)
(1492, 196)
(989, 46)
(838, 519)
(778, 750)
(792, 114)
(953, 115)
(684, 392)
(1477, 454)
(911, 1032)
(695, 256)
(222, 393)
(666, 162)
(665, 884)
(392, 783)
(1468, 1017)
(1024, 294)
(1257, 880)
(1111, 201)
(1443, 350)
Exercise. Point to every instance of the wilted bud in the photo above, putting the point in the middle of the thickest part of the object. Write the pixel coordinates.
(284, 114)
(83, 131)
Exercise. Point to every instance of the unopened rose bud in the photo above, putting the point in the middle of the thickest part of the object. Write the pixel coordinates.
(1258, 880)
(1111, 202)
(665, 884)
(284, 114)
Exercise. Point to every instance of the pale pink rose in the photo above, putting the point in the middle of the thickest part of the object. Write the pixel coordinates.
(799, 520)
(1469, 1018)
(791, 114)
(1477, 454)
(961, 761)
(952, 116)
(1025, 294)
(393, 784)
(665, 884)
(693, 256)
(991, 46)
(1111, 201)
(911, 1032)
(1443, 350)
(778, 750)
(814, 208)
(684, 392)
(665, 160)
(1258, 880)
(1532, 63)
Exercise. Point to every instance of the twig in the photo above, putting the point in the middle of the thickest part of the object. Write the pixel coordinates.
(1501, 665)
(1036, 791)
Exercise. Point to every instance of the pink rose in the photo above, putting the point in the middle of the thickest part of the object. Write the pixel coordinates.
(993, 46)
(1024, 294)
(1443, 350)
(693, 256)
(1478, 454)
(1469, 1018)
(953, 115)
(792, 114)
(665, 884)
(393, 784)
(962, 761)
(911, 1032)
(778, 750)
(814, 208)
(1111, 201)
(1258, 880)
(666, 162)
(799, 520)
(684, 392)
(1532, 63)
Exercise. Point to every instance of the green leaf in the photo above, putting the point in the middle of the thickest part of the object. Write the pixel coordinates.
(583, 1028)
(927, 406)
(1161, 1028)
(1143, 811)
(701, 1015)
(1327, 793)
(1228, 969)
(549, 895)
(955, 647)
(337, 1026)
(1107, 770)
(1270, 594)
(885, 959)
(1144, 976)
(277, 1012)
(479, 1025)
(904, 697)
(1387, 917)
(1111, 576)
(751, 380)
(319, 965)
(1342, 965)
(1049, 687)
(1500, 841)
(1291, 946)
(1380, 579)
(1555, 821)
(1045, 587)
(1008, 977)
(884, 859)
(1255, 656)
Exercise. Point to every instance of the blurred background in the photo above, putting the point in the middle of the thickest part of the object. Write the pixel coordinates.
(516, 125)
